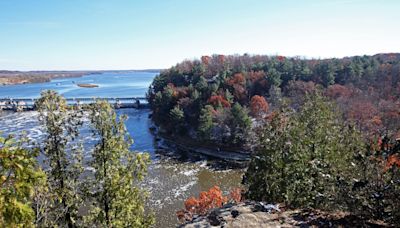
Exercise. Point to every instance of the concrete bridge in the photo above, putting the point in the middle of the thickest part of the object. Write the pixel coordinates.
(28, 104)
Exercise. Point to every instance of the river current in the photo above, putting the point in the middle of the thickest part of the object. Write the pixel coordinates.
(170, 179)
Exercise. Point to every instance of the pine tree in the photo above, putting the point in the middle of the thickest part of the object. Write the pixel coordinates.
(240, 124)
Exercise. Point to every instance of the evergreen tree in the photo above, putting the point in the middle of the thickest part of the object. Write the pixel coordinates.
(240, 125)
(63, 157)
(178, 119)
(117, 200)
(206, 122)
(301, 156)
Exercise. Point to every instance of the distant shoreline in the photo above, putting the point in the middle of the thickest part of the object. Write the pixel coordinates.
(28, 77)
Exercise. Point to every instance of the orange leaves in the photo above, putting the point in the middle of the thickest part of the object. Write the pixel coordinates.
(258, 106)
(191, 204)
(393, 160)
(238, 78)
(218, 100)
(207, 200)
(236, 195)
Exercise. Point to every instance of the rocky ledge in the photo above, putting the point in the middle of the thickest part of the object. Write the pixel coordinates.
(258, 214)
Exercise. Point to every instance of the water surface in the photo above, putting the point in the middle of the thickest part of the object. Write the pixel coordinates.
(170, 180)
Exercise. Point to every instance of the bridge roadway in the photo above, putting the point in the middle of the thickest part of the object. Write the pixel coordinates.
(27, 104)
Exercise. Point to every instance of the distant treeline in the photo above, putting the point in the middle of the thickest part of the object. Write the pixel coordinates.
(24, 77)
(19, 77)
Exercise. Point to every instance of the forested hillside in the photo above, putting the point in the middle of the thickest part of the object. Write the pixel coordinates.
(221, 99)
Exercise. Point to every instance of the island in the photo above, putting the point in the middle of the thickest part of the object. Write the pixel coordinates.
(83, 85)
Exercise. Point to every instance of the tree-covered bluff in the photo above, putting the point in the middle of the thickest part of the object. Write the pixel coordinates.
(219, 99)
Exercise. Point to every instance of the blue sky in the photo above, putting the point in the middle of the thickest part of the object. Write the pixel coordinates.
(130, 34)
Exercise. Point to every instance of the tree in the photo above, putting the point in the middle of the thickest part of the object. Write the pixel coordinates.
(63, 155)
(206, 122)
(117, 199)
(219, 101)
(178, 119)
(19, 175)
(326, 72)
(258, 106)
(273, 77)
(301, 155)
(240, 124)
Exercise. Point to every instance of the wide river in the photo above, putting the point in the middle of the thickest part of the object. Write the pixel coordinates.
(170, 180)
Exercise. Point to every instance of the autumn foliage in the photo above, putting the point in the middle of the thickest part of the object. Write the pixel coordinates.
(258, 106)
(207, 200)
(218, 100)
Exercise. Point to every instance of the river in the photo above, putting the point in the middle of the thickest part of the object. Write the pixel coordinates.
(170, 179)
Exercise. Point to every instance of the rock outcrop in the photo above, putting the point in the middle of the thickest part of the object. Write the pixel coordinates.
(257, 214)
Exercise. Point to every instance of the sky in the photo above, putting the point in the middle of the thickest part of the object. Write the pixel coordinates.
(133, 34)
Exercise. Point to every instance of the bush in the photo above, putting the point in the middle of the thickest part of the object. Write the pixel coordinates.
(213, 198)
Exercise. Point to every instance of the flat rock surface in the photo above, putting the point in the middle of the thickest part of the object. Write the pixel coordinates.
(254, 214)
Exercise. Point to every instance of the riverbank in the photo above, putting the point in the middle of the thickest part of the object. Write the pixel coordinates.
(229, 157)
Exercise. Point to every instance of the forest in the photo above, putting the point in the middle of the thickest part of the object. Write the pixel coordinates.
(220, 99)
(322, 133)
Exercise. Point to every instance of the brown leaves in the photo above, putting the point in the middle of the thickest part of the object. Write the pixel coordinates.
(258, 106)
(218, 100)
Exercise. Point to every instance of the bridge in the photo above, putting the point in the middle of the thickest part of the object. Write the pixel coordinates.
(28, 104)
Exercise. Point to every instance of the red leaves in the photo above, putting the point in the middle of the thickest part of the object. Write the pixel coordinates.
(218, 100)
(258, 106)
(393, 160)
(280, 58)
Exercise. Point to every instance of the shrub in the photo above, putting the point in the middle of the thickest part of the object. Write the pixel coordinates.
(213, 198)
